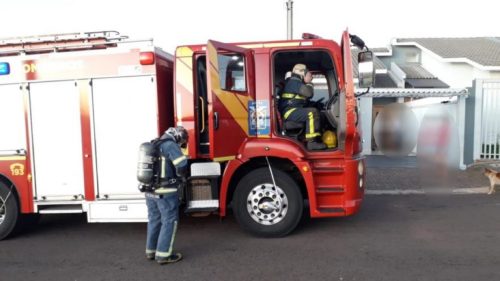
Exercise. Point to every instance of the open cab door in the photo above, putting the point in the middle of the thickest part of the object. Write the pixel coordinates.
(230, 87)
(348, 106)
(347, 99)
(231, 92)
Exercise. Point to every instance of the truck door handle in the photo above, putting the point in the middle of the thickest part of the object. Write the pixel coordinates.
(202, 105)
(216, 120)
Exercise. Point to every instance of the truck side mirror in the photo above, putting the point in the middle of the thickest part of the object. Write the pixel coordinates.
(366, 71)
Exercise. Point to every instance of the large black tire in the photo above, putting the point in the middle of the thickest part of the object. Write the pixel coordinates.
(9, 213)
(258, 213)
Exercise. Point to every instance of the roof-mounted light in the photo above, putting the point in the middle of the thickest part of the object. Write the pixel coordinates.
(307, 36)
(4, 68)
(147, 58)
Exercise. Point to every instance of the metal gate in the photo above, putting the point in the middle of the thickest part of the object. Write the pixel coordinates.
(487, 129)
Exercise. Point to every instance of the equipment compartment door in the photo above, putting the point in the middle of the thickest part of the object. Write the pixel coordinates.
(57, 140)
(125, 115)
(12, 123)
(231, 86)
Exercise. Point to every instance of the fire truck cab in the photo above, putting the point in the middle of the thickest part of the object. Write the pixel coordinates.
(226, 96)
(74, 109)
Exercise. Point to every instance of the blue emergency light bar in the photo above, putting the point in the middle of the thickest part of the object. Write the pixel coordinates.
(4, 68)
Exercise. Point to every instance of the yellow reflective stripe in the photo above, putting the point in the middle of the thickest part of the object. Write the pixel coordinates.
(289, 112)
(162, 173)
(270, 45)
(165, 190)
(173, 238)
(292, 96)
(167, 254)
(148, 251)
(184, 51)
(163, 254)
(12, 158)
(311, 123)
(310, 136)
(178, 160)
(224, 158)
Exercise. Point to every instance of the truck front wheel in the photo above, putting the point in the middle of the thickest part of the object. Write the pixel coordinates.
(9, 210)
(264, 209)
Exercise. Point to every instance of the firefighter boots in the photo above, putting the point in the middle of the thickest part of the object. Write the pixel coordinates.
(171, 259)
(314, 145)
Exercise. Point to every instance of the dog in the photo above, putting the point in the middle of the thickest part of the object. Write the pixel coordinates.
(494, 178)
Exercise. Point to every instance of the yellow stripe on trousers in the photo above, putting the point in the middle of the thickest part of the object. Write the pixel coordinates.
(311, 122)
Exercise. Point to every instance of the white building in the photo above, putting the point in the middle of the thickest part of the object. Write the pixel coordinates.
(456, 61)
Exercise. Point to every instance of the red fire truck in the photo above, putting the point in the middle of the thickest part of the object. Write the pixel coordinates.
(74, 109)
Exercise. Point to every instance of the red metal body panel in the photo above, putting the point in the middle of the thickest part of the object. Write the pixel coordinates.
(16, 170)
(88, 167)
(349, 94)
(165, 90)
(81, 66)
(228, 108)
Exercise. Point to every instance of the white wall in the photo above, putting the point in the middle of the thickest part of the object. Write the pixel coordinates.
(457, 75)
(365, 107)
(482, 74)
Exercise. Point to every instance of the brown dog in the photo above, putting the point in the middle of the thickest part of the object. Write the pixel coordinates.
(494, 178)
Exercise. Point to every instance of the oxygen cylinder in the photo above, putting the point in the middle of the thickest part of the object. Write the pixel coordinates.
(145, 165)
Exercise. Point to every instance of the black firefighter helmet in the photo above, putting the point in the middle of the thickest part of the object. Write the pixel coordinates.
(179, 134)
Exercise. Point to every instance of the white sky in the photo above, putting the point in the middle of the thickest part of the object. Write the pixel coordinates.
(181, 22)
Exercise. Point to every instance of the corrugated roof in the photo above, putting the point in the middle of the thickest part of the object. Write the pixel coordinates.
(416, 71)
(379, 50)
(482, 50)
(415, 93)
(425, 83)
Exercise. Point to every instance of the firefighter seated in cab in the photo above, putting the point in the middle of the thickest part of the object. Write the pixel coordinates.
(161, 171)
(293, 105)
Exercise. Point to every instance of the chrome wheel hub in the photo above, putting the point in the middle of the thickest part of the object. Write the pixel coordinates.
(267, 204)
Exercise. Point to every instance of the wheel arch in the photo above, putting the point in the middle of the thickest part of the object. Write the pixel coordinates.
(5, 180)
(282, 164)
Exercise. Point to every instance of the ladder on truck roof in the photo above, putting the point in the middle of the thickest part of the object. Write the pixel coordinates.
(40, 44)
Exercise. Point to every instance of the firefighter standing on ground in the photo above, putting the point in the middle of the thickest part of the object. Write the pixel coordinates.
(294, 99)
(163, 202)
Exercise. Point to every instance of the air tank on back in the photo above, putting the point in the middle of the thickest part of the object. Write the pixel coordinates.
(145, 164)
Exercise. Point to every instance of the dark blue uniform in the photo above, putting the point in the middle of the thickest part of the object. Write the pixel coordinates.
(293, 102)
(163, 204)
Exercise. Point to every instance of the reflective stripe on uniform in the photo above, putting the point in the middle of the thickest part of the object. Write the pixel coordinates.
(292, 96)
(162, 174)
(164, 190)
(313, 135)
(310, 115)
(178, 160)
(148, 251)
(163, 254)
(289, 112)
(167, 254)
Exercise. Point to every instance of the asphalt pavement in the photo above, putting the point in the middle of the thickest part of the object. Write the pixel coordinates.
(428, 236)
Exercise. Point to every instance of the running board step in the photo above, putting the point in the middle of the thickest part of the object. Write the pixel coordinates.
(202, 206)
